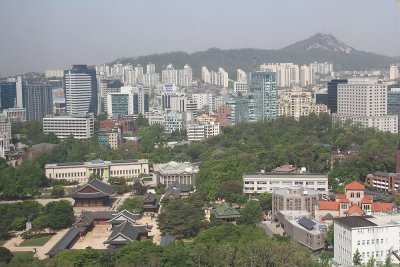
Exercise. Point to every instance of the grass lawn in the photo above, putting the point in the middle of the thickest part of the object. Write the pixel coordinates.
(2, 242)
(35, 242)
(24, 255)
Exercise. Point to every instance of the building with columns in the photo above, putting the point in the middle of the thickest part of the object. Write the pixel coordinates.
(175, 172)
(81, 171)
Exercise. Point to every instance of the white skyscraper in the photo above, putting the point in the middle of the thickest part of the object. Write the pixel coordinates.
(287, 74)
(365, 104)
(205, 75)
(393, 72)
(306, 76)
(80, 90)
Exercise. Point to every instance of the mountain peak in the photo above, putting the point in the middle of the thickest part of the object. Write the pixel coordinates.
(323, 41)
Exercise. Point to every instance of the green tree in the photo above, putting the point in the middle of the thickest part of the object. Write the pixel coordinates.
(5, 255)
(139, 253)
(40, 222)
(388, 260)
(132, 204)
(251, 214)
(19, 224)
(85, 257)
(265, 200)
(328, 239)
(60, 214)
(57, 191)
(182, 218)
(357, 258)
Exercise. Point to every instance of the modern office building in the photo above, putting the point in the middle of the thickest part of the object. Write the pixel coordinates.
(175, 172)
(174, 121)
(365, 104)
(294, 198)
(81, 90)
(201, 130)
(130, 101)
(372, 237)
(333, 94)
(238, 111)
(263, 90)
(79, 126)
(15, 114)
(11, 93)
(302, 228)
(81, 171)
(267, 182)
(38, 101)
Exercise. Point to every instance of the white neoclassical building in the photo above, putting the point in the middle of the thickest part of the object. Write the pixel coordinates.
(175, 172)
(81, 171)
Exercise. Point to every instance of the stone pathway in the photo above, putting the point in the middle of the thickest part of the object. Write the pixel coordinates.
(40, 250)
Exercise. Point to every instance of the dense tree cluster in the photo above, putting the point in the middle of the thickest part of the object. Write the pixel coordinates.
(55, 215)
(225, 245)
(183, 218)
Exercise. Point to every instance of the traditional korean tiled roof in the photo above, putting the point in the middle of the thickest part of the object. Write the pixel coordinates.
(225, 211)
(66, 241)
(123, 216)
(103, 190)
(128, 232)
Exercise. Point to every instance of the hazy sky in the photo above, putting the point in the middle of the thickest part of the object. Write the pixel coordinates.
(36, 35)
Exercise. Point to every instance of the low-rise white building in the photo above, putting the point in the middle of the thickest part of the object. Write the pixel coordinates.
(175, 172)
(268, 182)
(81, 171)
(372, 237)
(79, 126)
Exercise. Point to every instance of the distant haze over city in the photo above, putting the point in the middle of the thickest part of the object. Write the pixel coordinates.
(56, 34)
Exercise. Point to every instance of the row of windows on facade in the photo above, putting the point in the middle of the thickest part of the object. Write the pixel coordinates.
(82, 174)
(284, 183)
(272, 188)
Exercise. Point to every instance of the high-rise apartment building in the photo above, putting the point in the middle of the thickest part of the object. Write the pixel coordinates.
(287, 74)
(38, 101)
(5, 135)
(306, 76)
(181, 77)
(394, 73)
(81, 90)
(365, 104)
(263, 90)
(297, 102)
(205, 75)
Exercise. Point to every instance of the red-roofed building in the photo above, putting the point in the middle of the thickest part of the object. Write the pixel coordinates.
(355, 210)
(354, 202)
(382, 207)
(355, 186)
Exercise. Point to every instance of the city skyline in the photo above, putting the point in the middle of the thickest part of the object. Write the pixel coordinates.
(46, 36)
